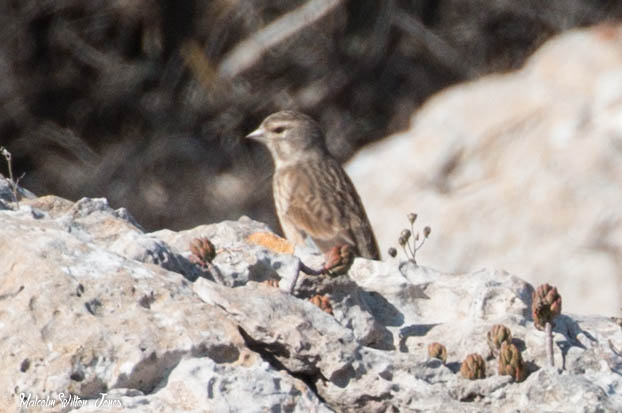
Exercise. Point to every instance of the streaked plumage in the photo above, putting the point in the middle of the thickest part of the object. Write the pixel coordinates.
(314, 196)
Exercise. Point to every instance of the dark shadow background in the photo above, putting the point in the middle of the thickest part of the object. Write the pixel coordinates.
(143, 101)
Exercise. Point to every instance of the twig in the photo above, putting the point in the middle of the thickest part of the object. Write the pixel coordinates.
(250, 50)
(445, 54)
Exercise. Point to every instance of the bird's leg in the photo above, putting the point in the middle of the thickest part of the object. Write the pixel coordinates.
(303, 267)
(337, 261)
(310, 271)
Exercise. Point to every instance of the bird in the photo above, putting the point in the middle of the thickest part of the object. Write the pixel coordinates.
(315, 199)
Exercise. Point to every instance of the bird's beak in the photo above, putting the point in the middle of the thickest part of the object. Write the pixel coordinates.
(257, 134)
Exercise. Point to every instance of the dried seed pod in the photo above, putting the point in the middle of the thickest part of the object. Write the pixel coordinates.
(426, 232)
(402, 241)
(511, 362)
(405, 234)
(473, 367)
(392, 252)
(322, 302)
(337, 260)
(202, 250)
(546, 305)
(498, 335)
(412, 217)
(437, 351)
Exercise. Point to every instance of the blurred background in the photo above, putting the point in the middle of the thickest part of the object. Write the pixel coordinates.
(145, 102)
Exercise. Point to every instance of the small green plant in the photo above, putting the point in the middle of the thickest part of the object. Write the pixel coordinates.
(411, 244)
(338, 260)
(511, 362)
(545, 306)
(498, 335)
(437, 351)
(473, 367)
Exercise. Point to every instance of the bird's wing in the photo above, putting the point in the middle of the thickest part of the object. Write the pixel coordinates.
(324, 206)
(322, 233)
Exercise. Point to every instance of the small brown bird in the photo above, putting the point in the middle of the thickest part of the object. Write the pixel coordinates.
(315, 199)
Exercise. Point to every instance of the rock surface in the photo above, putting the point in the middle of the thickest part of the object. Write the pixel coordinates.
(92, 305)
(519, 171)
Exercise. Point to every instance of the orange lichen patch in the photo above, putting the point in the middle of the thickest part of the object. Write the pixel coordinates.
(271, 241)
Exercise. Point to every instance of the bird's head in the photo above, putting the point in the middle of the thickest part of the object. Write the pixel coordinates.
(290, 136)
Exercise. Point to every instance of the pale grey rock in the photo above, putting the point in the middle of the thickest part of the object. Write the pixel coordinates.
(284, 327)
(136, 246)
(78, 318)
(351, 307)
(237, 261)
(93, 220)
(519, 171)
(200, 383)
(229, 233)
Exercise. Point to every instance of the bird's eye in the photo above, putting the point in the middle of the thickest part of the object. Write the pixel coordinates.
(279, 129)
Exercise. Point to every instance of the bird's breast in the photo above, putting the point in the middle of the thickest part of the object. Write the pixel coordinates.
(282, 188)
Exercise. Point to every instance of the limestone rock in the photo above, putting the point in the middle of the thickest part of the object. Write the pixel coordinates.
(237, 260)
(79, 318)
(283, 326)
(200, 382)
(519, 171)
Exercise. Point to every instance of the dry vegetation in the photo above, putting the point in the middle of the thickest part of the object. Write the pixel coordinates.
(145, 101)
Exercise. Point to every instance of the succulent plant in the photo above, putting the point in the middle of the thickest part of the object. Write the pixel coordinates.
(322, 302)
(546, 305)
(338, 259)
(511, 362)
(473, 367)
(203, 251)
(437, 351)
(498, 335)
(404, 240)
